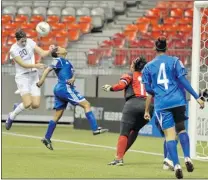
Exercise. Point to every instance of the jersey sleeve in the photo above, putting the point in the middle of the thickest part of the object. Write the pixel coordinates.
(32, 43)
(180, 69)
(126, 78)
(14, 52)
(146, 78)
(56, 64)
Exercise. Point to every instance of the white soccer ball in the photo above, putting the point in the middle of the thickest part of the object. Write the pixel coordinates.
(43, 28)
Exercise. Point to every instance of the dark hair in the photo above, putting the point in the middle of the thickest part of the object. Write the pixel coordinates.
(20, 34)
(161, 44)
(139, 63)
(54, 52)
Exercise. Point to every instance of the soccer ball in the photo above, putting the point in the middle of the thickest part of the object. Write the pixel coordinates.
(43, 28)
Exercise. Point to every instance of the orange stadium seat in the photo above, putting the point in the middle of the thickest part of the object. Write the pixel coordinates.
(185, 28)
(21, 18)
(52, 19)
(143, 20)
(68, 19)
(31, 33)
(37, 18)
(157, 28)
(153, 12)
(4, 58)
(170, 20)
(73, 32)
(142, 27)
(6, 19)
(28, 25)
(186, 20)
(61, 41)
(10, 27)
(3, 41)
(163, 4)
(188, 13)
(11, 41)
(37, 58)
(46, 41)
(58, 27)
(176, 13)
(85, 24)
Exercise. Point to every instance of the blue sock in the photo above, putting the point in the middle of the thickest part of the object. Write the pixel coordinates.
(91, 118)
(168, 155)
(51, 127)
(184, 140)
(165, 150)
(172, 150)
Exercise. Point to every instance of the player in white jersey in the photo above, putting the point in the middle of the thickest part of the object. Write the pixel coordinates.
(26, 73)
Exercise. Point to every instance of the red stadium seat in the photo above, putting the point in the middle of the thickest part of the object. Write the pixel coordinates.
(120, 58)
(10, 27)
(4, 58)
(68, 19)
(157, 28)
(186, 20)
(93, 57)
(119, 35)
(176, 13)
(22, 18)
(4, 41)
(143, 20)
(146, 43)
(180, 44)
(188, 13)
(185, 28)
(118, 42)
(31, 33)
(153, 13)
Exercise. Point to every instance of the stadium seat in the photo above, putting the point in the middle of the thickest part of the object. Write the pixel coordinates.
(11, 41)
(11, 27)
(37, 18)
(31, 33)
(4, 58)
(176, 13)
(180, 44)
(52, 19)
(9, 10)
(134, 53)
(4, 42)
(157, 28)
(25, 11)
(142, 20)
(83, 11)
(118, 42)
(186, 20)
(98, 17)
(20, 19)
(39, 11)
(153, 13)
(85, 24)
(68, 11)
(120, 58)
(46, 41)
(61, 41)
(73, 32)
(68, 20)
(119, 35)
(37, 58)
(188, 13)
(28, 26)
(93, 57)
(98, 12)
(170, 20)
(185, 28)
(142, 27)
(54, 11)
(58, 27)
(130, 35)
(6, 19)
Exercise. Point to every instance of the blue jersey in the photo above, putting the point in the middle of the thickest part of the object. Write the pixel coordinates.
(162, 74)
(63, 69)
(64, 92)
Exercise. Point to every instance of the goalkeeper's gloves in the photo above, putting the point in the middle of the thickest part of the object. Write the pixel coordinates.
(107, 87)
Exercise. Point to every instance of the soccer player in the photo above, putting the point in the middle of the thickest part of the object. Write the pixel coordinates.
(162, 78)
(26, 73)
(65, 93)
(133, 112)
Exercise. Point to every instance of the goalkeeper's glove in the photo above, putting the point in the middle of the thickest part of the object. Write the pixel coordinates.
(107, 87)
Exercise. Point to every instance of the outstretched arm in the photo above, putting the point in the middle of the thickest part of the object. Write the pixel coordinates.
(42, 52)
(43, 77)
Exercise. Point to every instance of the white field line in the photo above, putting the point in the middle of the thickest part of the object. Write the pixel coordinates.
(83, 144)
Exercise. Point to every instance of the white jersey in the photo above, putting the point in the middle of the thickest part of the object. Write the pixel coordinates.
(27, 55)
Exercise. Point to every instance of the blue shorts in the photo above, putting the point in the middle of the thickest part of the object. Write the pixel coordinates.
(65, 94)
(165, 118)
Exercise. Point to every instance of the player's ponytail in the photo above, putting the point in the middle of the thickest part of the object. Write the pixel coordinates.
(161, 44)
(139, 63)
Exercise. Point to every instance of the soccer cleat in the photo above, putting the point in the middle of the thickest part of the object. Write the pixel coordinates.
(168, 164)
(189, 164)
(47, 143)
(116, 162)
(8, 123)
(100, 131)
(178, 171)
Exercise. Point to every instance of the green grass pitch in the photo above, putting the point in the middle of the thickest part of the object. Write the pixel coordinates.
(26, 157)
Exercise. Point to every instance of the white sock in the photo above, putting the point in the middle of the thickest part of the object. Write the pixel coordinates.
(18, 110)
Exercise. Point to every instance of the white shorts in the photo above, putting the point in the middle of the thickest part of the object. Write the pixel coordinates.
(26, 83)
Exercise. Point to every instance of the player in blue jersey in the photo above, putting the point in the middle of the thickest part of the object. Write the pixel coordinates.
(65, 93)
(162, 77)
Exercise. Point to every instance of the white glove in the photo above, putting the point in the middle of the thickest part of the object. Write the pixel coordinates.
(106, 87)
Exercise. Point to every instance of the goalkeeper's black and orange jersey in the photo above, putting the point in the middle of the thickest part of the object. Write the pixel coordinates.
(132, 85)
